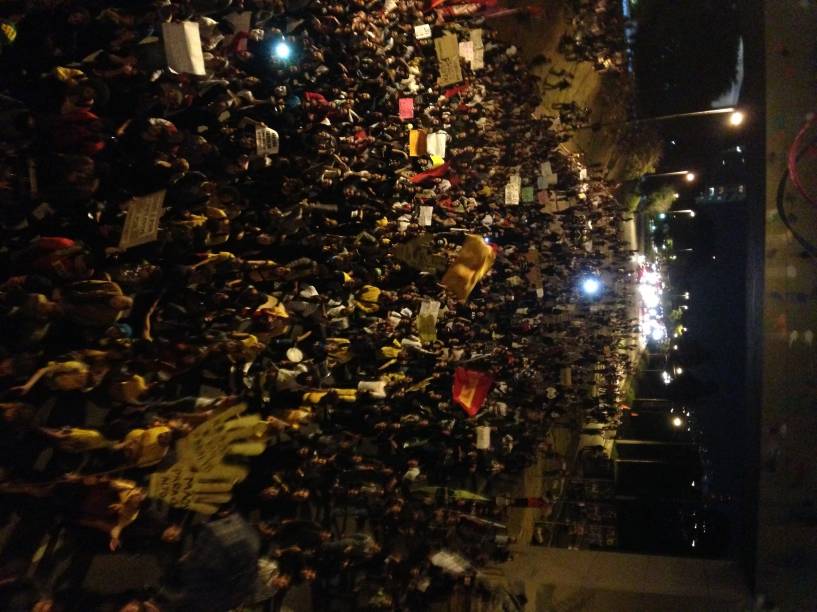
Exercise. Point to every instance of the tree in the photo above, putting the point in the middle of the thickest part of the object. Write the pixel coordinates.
(659, 200)
(685, 53)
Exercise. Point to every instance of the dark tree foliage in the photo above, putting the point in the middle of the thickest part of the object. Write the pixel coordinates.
(685, 53)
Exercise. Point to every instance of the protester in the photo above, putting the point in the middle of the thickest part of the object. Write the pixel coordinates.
(332, 217)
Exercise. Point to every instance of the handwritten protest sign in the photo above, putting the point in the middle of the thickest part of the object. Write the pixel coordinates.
(183, 47)
(467, 50)
(417, 143)
(448, 57)
(478, 59)
(266, 140)
(425, 215)
(422, 32)
(418, 254)
(142, 220)
(220, 435)
(406, 108)
(435, 144)
(483, 437)
(427, 320)
(512, 190)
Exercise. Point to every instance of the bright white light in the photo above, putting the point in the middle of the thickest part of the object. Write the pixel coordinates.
(591, 285)
(676, 195)
(679, 370)
(677, 422)
(658, 334)
(487, 240)
(662, 216)
(653, 278)
(693, 483)
(738, 149)
(666, 378)
(736, 118)
(693, 543)
(283, 50)
(650, 296)
(689, 177)
(692, 213)
(674, 347)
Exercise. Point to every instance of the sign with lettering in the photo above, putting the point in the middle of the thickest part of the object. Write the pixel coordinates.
(142, 220)
(266, 140)
(448, 57)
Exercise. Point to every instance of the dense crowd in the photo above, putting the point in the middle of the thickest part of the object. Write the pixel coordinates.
(294, 312)
(597, 35)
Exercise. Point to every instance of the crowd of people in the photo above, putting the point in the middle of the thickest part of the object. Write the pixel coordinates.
(597, 35)
(289, 290)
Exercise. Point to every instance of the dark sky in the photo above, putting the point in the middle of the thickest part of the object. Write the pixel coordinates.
(717, 320)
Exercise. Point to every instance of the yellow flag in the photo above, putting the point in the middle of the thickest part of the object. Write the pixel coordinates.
(473, 262)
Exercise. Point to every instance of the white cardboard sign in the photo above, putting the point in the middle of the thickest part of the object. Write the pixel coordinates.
(183, 47)
(142, 220)
(425, 215)
(421, 32)
(266, 140)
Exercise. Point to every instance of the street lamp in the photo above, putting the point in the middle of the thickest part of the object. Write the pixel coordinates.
(677, 421)
(736, 118)
(688, 175)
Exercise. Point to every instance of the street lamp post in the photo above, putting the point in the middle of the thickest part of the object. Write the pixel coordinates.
(683, 211)
(736, 118)
(687, 174)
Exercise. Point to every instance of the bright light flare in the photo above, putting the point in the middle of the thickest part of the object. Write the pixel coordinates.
(689, 177)
(677, 422)
(591, 285)
(282, 50)
(736, 118)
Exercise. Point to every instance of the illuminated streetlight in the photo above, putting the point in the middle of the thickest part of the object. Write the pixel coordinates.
(677, 422)
(685, 173)
(735, 118)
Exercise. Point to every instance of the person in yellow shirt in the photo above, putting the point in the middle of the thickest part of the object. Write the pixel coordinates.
(75, 439)
(146, 447)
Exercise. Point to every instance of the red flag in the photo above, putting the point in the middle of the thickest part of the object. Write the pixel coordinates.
(453, 91)
(437, 172)
(470, 389)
